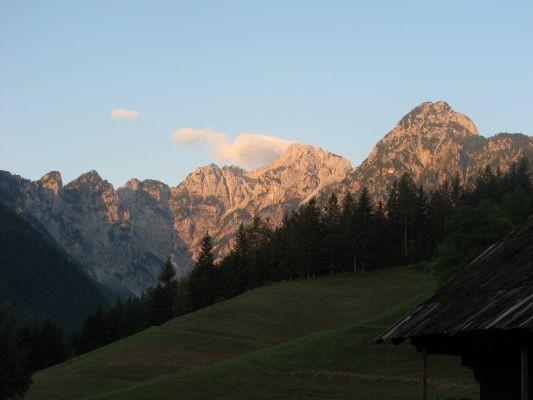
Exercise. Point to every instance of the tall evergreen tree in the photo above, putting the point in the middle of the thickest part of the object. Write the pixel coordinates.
(307, 239)
(258, 237)
(365, 234)
(202, 280)
(332, 239)
(456, 192)
(206, 257)
(235, 269)
(43, 345)
(401, 218)
(15, 377)
(383, 252)
(163, 294)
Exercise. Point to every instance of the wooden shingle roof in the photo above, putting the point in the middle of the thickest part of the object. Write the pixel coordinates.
(494, 292)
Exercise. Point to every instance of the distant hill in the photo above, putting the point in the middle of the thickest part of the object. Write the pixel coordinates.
(38, 279)
(306, 339)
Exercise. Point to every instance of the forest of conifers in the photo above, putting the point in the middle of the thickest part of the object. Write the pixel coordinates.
(443, 229)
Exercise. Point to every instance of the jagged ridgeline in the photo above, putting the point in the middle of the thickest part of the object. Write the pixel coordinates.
(121, 237)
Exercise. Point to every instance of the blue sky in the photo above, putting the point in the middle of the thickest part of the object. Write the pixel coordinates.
(334, 74)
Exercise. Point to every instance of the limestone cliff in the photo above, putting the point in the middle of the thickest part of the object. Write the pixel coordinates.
(122, 236)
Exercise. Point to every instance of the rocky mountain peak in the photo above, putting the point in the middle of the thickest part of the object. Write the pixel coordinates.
(132, 184)
(305, 157)
(123, 237)
(52, 181)
(91, 180)
(429, 144)
(153, 188)
(156, 189)
(296, 151)
(199, 174)
(434, 120)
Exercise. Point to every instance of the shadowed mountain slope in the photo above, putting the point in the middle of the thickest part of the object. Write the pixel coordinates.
(38, 279)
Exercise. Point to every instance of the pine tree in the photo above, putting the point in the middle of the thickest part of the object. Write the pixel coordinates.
(332, 212)
(348, 204)
(15, 378)
(92, 333)
(183, 301)
(167, 276)
(240, 248)
(46, 347)
(258, 237)
(456, 192)
(236, 266)
(439, 210)
(421, 230)
(307, 238)
(365, 234)
(202, 281)
(164, 294)
(380, 226)
(346, 231)
(331, 241)
(206, 257)
(400, 211)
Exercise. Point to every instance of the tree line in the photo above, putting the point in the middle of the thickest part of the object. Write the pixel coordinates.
(25, 351)
(445, 228)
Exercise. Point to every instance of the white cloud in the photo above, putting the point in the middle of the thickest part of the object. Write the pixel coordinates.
(248, 150)
(121, 113)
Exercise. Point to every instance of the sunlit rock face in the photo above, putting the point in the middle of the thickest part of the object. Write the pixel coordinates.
(121, 237)
(433, 143)
(217, 200)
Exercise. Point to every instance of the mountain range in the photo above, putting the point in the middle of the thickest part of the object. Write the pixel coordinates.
(121, 236)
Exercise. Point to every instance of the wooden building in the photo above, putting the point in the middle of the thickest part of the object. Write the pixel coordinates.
(483, 314)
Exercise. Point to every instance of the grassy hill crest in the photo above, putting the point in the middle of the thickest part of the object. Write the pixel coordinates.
(300, 339)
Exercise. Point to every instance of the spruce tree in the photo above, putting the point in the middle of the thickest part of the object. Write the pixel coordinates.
(331, 241)
(164, 294)
(15, 378)
(400, 210)
(202, 280)
(258, 238)
(46, 347)
(239, 274)
(456, 191)
(167, 276)
(346, 231)
(206, 257)
(365, 235)
(306, 227)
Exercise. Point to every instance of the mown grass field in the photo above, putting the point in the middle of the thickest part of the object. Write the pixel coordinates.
(290, 340)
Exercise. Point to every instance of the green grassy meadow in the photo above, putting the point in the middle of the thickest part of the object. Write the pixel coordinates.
(289, 340)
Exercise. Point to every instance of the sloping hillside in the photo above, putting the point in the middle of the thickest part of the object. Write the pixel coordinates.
(300, 339)
(38, 279)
